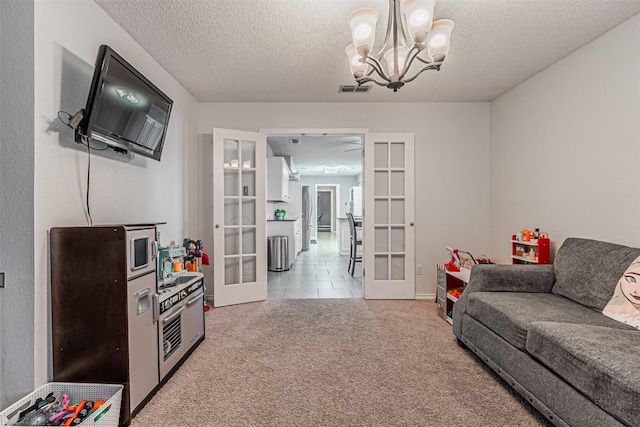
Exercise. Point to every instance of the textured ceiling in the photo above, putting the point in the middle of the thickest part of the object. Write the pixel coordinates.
(293, 50)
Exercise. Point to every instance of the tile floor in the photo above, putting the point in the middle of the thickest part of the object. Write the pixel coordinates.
(320, 272)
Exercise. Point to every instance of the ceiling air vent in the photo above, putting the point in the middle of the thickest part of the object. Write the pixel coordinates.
(354, 89)
(295, 141)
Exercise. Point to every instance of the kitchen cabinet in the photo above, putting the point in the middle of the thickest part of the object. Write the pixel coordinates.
(297, 231)
(277, 179)
(344, 236)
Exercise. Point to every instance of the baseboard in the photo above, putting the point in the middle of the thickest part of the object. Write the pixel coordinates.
(426, 296)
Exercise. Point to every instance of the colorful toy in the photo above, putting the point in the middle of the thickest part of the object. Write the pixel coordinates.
(454, 263)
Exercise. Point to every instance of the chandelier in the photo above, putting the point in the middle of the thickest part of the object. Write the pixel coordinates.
(411, 35)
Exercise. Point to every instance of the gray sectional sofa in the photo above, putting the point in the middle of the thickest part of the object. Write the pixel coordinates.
(541, 328)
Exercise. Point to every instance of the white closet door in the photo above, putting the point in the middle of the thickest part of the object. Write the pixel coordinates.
(389, 232)
(239, 216)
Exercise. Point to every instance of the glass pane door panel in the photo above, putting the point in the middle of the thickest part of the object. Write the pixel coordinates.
(248, 269)
(231, 153)
(248, 156)
(248, 183)
(397, 156)
(382, 239)
(231, 211)
(380, 153)
(232, 271)
(381, 265)
(381, 184)
(231, 182)
(397, 183)
(231, 241)
(397, 239)
(397, 211)
(397, 267)
(381, 212)
(248, 240)
(249, 212)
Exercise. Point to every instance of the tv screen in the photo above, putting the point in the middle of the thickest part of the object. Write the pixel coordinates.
(124, 109)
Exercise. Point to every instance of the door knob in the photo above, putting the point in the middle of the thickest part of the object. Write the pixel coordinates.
(217, 225)
(411, 224)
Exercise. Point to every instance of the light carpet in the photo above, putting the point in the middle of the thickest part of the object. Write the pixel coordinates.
(333, 362)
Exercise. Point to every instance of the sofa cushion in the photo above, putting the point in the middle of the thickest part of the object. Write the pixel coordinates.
(587, 271)
(509, 314)
(600, 362)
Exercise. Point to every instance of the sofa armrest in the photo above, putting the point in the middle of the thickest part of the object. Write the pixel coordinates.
(502, 278)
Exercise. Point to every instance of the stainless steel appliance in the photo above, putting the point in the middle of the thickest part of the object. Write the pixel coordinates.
(307, 211)
(180, 309)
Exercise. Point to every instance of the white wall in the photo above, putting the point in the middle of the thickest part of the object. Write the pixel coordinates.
(16, 200)
(123, 190)
(452, 161)
(565, 147)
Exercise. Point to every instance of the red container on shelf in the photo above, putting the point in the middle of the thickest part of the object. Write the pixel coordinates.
(544, 251)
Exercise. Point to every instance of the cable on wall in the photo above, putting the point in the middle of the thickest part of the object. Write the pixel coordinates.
(73, 121)
(89, 183)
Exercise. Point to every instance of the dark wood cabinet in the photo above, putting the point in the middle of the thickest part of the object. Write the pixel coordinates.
(91, 324)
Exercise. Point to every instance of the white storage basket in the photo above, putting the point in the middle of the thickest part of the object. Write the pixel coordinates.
(108, 415)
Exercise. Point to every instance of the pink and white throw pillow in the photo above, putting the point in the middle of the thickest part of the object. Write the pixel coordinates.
(624, 306)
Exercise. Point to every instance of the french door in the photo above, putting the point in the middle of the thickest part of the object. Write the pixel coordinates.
(389, 232)
(239, 217)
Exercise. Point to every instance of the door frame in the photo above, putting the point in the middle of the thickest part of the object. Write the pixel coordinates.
(335, 205)
(316, 131)
(335, 131)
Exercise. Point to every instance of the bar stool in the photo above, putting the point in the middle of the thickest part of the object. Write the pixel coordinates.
(355, 242)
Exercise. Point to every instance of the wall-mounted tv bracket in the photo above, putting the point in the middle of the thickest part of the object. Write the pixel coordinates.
(75, 120)
(74, 123)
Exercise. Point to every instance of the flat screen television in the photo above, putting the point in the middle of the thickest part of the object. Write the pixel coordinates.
(124, 109)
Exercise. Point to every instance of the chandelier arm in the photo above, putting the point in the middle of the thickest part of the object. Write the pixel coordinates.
(409, 61)
(377, 67)
(369, 79)
(428, 67)
(429, 63)
(389, 27)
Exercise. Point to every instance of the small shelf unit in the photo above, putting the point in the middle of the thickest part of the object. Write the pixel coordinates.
(540, 248)
(448, 281)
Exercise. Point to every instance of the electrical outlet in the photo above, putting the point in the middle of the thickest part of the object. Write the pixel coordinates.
(419, 269)
(1, 280)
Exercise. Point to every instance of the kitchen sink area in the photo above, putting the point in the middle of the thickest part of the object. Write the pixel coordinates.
(178, 279)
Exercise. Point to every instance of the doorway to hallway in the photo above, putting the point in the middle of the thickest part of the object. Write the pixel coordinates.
(320, 272)
(325, 211)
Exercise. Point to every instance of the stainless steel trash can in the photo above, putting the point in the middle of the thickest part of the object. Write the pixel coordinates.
(278, 253)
